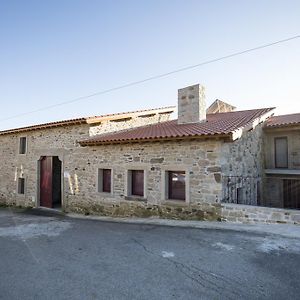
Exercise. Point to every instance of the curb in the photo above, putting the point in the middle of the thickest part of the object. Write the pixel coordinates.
(287, 230)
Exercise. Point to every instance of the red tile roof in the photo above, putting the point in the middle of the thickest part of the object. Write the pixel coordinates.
(215, 125)
(283, 120)
(87, 120)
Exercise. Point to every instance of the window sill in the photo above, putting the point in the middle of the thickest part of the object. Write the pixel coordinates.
(135, 198)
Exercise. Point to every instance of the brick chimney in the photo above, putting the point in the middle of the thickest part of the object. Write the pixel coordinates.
(191, 104)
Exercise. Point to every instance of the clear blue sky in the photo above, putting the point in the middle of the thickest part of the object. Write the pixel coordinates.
(54, 51)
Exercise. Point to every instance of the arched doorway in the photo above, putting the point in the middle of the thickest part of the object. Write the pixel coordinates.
(50, 182)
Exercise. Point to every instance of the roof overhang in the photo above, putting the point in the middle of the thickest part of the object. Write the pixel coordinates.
(225, 137)
(281, 128)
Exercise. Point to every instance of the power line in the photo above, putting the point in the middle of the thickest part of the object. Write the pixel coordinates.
(152, 78)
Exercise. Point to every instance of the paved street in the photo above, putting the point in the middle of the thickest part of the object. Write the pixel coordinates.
(56, 257)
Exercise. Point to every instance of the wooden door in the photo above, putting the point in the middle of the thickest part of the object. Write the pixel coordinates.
(46, 181)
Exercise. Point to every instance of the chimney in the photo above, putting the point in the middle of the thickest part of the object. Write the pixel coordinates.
(191, 105)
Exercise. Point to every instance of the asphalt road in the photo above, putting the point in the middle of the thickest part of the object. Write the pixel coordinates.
(47, 257)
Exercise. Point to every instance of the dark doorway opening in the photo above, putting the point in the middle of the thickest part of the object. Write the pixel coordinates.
(50, 182)
(291, 193)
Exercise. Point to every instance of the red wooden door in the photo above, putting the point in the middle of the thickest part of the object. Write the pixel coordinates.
(46, 182)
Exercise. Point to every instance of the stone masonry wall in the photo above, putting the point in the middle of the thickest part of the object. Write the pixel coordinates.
(60, 141)
(191, 104)
(242, 167)
(198, 158)
(111, 126)
(255, 214)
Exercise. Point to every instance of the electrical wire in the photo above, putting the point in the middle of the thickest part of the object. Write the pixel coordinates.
(151, 78)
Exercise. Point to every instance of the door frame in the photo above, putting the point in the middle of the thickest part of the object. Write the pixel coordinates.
(60, 157)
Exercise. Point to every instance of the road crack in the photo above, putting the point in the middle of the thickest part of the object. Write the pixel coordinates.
(195, 274)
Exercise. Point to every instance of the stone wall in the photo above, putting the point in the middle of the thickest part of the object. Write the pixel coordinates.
(198, 158)
(242, 166)
(254, 214)
(179, 211)
(59, 141)
(115, 125)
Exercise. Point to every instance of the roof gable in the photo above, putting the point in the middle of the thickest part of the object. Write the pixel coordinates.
(219, 106)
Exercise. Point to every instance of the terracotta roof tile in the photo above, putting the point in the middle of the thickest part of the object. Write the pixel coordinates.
(283, 120)
(216, 124)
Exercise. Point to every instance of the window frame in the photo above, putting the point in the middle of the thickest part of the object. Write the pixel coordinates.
(134, 191)
(164, 184)
(100, 180)
(275, 152)
(21, 144)
(20, 190)
(128, 183)
(170, 194)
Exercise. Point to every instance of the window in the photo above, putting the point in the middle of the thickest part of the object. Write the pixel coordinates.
(281, 152)
(21, 186)
(137, 183)
(239, 195)
(104, 180)
(176, 185)
(22, 145)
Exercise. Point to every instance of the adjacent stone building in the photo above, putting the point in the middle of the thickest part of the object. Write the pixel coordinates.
(282, 161)
(142, 163)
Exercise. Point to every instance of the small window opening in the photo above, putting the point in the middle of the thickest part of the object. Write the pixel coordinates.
(104, 180)
(22, 146)
(21, 186)
(176, 185)
(137, 183)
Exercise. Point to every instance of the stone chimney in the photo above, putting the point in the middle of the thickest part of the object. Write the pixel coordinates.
(191, 105)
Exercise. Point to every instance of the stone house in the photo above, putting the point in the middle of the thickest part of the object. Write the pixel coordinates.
(200, 166)
(28, 154)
